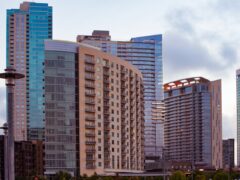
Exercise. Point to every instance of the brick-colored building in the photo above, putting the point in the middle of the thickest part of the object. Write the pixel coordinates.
(28, 158)
(193, 122)
(98, 108)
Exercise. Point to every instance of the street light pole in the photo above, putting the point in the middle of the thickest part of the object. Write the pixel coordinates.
(10, 75)
(5, 129)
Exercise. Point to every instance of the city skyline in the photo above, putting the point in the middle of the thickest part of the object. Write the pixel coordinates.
(95, 109)
(207, 38)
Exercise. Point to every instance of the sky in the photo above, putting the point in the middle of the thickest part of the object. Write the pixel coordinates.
(200, 37)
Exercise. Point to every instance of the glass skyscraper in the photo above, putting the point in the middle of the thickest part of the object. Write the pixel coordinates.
(27, 27)
(238, 115)
(146, 54)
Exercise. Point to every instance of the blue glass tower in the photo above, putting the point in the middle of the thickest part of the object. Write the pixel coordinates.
(146, 54)
(27, 28)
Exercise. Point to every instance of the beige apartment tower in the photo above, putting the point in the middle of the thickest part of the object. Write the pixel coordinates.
(109, 112)
(193, 123)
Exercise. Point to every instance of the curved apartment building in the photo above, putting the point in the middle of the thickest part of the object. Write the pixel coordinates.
(94, 111)
(193, 123)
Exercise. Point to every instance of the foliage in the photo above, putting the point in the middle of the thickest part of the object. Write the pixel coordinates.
(200, 177)
(178, 175)
(220, 175)
(235, 175)
(62, 175)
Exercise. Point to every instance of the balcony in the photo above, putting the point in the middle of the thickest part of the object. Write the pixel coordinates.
(89, 85)
(106, 88)
(90, 142)
(106, 128)
(90, 77)
(106, 158)
(90, 118)
(89, 69)
(90, 150)
(92, 102)
(106, 112)
(90, 158)
(90, 93)
(89, 61)
(106, 104)
(106, 73)
(106, 81)
(90, 166)
(90, 134)
(123, 101)
(124, 79)
(90, 126)
(107, 65)
(89, 110)
(106, 97)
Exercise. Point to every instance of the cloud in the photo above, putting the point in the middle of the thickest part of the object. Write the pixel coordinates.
(229, 128)
(229, 53)
(181, 20)
(227, 6)
(184, 54)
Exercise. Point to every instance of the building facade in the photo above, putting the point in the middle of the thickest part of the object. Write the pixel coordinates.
(146, 54)
(238, 115)
(94, 111)
(27, 27)
(28, 158)
(2, 151)
(193, 122)
(228, 153)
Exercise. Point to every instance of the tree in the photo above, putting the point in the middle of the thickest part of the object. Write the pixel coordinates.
(178, 175)
(220, 176)
(200, 177)
(62, 175)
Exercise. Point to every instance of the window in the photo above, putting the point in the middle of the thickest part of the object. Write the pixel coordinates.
(99, 156)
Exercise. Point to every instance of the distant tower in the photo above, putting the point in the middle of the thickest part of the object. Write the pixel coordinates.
(193, 122)
(27, 27)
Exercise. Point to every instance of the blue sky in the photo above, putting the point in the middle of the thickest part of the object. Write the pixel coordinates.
(200, 38)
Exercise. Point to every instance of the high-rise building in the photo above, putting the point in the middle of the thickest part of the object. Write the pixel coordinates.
(238, 115)
(2, 152)
(27, 27)
(146, 54)
(193, 122)
(94, 111)
(28, 158)
(228, 153)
